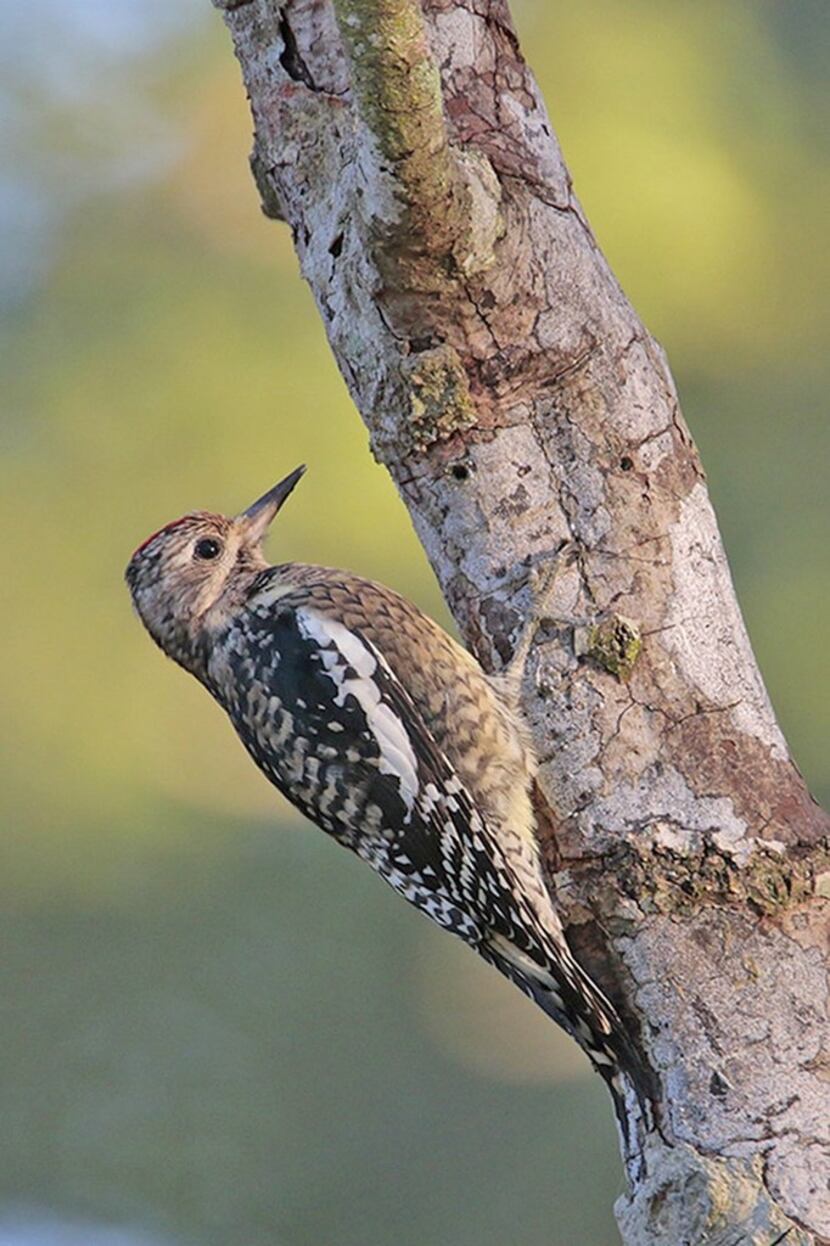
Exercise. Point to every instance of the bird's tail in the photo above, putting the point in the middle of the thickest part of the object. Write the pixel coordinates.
(564, 991)
(601, 1033)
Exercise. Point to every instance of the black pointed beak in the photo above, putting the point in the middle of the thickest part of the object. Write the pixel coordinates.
(257, 517)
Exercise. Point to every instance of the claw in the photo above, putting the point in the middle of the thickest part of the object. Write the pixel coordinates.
(543, 579)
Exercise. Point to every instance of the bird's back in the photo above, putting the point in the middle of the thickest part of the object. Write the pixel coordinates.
(460, 706)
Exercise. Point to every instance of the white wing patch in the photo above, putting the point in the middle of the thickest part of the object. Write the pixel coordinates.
(526, 964)
(397, 757)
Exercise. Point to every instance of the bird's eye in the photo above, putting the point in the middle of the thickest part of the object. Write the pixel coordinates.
(207, 548)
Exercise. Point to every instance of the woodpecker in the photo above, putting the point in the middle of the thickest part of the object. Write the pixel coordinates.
(389, 736)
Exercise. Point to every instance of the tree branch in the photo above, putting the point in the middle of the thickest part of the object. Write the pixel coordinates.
(518, 402)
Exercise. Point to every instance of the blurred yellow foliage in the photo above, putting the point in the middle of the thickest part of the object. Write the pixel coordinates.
(171, 358)
(684, 136)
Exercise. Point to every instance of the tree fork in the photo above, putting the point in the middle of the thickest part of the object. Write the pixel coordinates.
(519, 403)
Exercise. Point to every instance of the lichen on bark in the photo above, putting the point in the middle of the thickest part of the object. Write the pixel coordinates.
(440, 402)
(615, 644)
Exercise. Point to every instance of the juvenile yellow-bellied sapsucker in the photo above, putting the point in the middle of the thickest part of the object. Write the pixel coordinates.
(389, 736)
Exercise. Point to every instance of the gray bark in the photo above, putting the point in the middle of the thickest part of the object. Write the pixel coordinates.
(518, 402)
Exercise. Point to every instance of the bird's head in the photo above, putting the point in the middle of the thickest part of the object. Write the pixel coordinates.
(197, 563)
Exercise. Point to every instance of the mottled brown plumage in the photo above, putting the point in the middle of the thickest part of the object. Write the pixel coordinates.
(471, 717)
(387, 734)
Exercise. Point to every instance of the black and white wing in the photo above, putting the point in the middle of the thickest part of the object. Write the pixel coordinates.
(324, 715)
(335, 728)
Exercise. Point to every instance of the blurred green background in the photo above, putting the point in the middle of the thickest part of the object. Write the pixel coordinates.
(218, 1028)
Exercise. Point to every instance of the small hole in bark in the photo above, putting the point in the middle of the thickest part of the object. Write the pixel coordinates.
(290, 58)
(626, 463)
(336, 246)
(460, 471)
(418, 344)
(717, 1085)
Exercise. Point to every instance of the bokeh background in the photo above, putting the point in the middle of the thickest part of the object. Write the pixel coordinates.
(218, 1028)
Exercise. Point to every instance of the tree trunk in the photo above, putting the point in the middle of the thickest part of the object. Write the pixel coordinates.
(518, 402)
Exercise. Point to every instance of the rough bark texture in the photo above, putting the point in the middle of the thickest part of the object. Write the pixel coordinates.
(518, 401)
